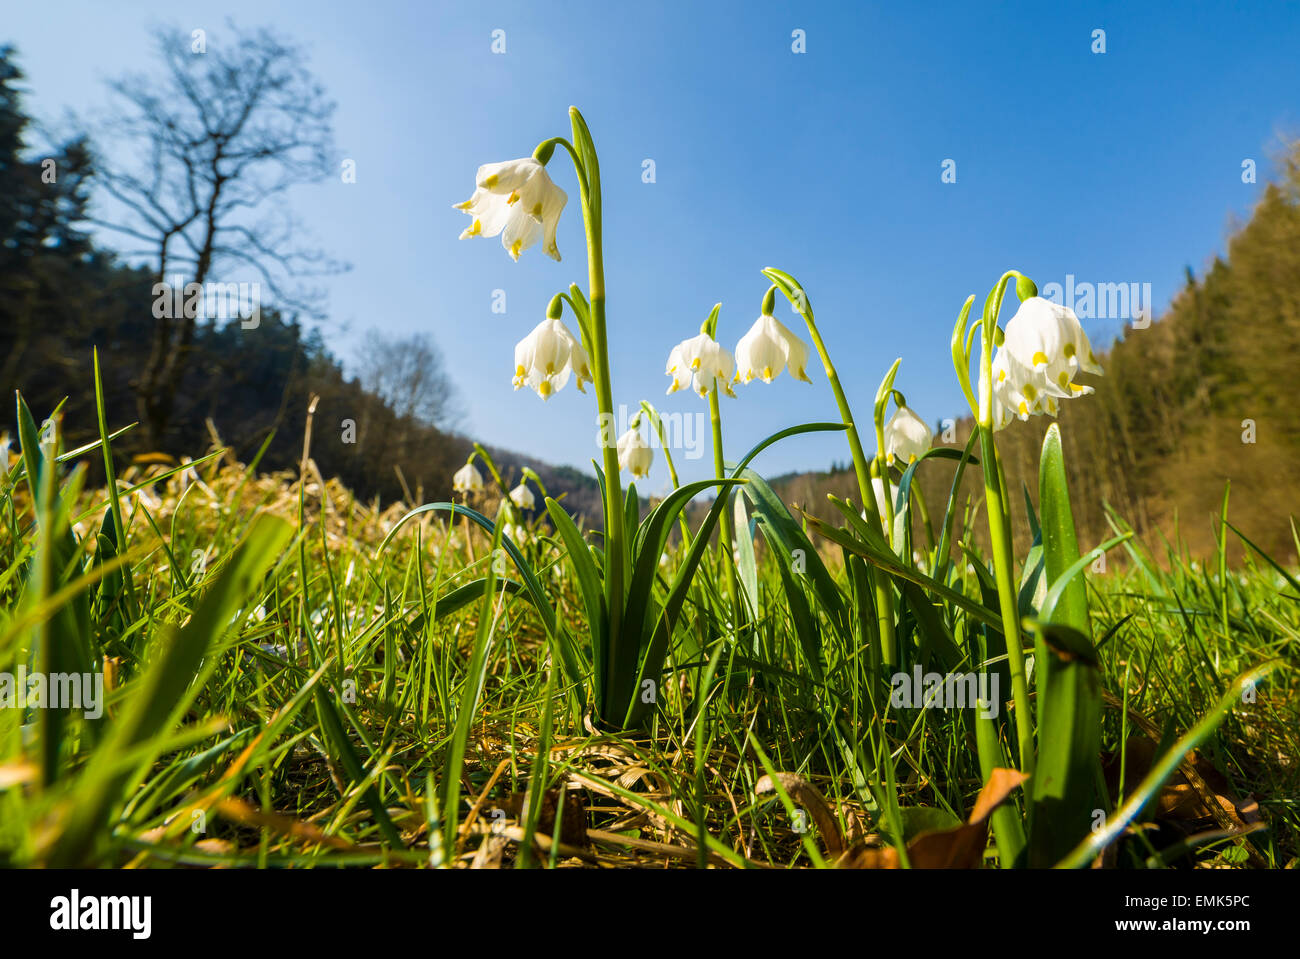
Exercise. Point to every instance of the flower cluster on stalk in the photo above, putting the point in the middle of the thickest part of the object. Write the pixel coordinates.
(1044, 347)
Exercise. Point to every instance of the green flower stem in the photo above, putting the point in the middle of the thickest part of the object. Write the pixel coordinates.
(995, 499)
(886, 474)
(615, 540)
(615, 546)
(884, 592)
(588, 172)
(724, 521)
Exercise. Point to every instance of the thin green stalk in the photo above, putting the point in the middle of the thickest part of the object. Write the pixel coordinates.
(724, 528)
(999, 535)
(615, 540)
(1003, 571)
(880, 582)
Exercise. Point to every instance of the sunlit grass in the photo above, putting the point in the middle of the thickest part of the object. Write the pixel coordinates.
(326, 714)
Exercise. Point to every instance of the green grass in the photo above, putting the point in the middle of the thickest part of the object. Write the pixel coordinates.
(294, 680)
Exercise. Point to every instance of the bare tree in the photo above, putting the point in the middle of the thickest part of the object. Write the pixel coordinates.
(203, 149)
(409, 375)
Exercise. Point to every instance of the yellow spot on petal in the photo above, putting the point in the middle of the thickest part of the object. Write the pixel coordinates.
(1002, 375)
(491, 181)
(1069, 350)
(767, 374)
(475, 228)
(515, 247)
(1040, 358)
(544, 389)
(464, 206)
(520, 371)
(1063, 379)
(1024, 410)
(1030, 392)
(537, 210)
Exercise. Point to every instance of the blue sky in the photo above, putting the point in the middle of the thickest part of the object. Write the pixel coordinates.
(1123, 166)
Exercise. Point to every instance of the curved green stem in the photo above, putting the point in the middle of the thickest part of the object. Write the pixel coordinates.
(995, 500)
(615, 540)
(880, 582)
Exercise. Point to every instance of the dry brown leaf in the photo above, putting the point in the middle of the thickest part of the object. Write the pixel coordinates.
(805, 794)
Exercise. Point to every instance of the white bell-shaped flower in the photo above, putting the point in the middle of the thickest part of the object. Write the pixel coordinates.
(467, 479)
(1046, 346)
(517, 199)
(907, 437)
(523, 497)
(767, 349)
(547, 356)
(702, 364)
(882, 506)
(634, 454)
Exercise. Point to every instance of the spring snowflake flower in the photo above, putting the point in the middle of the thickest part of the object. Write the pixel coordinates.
(702, 364)
(767, 349)
(545, 358)
(882, 506)
(1044, 347)
(634, 454)
(907, 437)
(467, 479)
(517, 199)
(523, 497)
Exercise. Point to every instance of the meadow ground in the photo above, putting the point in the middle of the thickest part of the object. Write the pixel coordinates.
(292, 678)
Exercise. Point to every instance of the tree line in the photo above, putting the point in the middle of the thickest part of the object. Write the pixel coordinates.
(1204, 396)
(212, 140)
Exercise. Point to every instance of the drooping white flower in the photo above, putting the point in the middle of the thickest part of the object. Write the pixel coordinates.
(1047, 346)
(767, 349)
(1044, 347)
(702, 364)
(883, 506)
(1004, 403)
(517, 199)
(546, 357)
(523, 497)
(467, 479)
(907, 436)
(634, 454)
(515, 533)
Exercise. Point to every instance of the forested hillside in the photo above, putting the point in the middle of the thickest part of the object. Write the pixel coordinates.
(61, 295)
(1207, 394)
